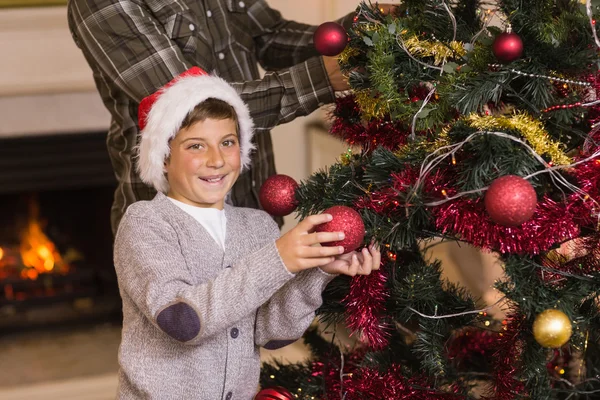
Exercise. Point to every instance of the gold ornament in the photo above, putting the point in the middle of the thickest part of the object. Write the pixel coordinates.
(552, 328)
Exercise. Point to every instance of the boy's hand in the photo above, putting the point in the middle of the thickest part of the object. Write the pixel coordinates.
(353, 263)
(297, 247)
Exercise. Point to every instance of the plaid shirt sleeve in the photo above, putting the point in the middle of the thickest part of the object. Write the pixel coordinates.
(288, 43)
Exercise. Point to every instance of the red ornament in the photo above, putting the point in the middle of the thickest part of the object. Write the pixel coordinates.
(347, 220)
(507, 47)
(274, 393)
(510, 200)
(278, 195)
(330, 39)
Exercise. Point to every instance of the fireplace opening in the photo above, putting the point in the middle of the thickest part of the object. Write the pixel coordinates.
(56, 264)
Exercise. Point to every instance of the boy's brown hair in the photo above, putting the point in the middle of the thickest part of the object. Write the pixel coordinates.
(214, 109)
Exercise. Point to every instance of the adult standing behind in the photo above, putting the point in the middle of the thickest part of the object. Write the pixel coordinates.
(135, 47)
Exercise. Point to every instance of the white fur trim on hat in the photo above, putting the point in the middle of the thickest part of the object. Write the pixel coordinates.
(166, 115)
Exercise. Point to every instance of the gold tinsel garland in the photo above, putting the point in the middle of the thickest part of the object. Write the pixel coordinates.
(531, 129)
(429, 146)
(370, 107)
(439, 51)
(374, 107)
(345, 55)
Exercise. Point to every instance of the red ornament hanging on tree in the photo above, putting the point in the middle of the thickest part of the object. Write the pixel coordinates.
(507, 46)
(330, 39)
(347, 220)
(274, 393)
(277, 195)
(510, 200)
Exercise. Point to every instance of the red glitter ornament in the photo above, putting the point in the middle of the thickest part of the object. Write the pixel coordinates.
(278, 195)
(347, 220)
(510, 200)
(507, 47)
(330, 39)
(274, 393)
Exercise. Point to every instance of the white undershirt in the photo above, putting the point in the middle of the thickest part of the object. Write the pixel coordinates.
(212, 219)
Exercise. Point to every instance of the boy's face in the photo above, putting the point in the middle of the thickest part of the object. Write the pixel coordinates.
(204, 163)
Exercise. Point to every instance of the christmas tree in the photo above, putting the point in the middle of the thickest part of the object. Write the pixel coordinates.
(481, 133)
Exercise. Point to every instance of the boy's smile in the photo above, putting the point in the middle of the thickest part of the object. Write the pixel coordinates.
(204, 163)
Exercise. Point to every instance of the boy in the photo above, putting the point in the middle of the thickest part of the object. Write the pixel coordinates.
(204, 284)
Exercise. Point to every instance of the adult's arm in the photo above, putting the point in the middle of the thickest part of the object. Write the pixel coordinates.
(129, 47)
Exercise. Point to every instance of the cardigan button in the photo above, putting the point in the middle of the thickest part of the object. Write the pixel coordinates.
(235, 332)
(229, 396)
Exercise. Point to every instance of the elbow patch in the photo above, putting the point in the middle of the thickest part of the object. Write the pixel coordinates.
(277, 344)
(180, 321)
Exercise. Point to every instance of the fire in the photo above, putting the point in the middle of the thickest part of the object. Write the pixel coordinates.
(35, 253)
(38, 253)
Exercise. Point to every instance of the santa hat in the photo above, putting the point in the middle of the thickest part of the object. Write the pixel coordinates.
(161, 114)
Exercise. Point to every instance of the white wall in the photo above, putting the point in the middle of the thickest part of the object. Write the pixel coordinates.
(45, 83)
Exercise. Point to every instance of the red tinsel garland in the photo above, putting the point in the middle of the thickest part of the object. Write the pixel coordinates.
(365, 308)
(372, 384)
(588, 180)
(470, 342)
(593, 115)
(348, 126)
(389, 200)
(505, 361)
(369, 384)
(552, 223)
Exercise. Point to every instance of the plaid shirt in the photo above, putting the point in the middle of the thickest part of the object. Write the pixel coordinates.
(134, 47)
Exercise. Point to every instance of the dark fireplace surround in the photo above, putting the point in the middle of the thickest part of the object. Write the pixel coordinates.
(69, 179)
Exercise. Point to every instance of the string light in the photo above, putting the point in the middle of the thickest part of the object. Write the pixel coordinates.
(550, 78)
(563, 107)
(435, 316)
(578, 104)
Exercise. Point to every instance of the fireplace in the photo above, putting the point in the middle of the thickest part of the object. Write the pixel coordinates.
(55, 238)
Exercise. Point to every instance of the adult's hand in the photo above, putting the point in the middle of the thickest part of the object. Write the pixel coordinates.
(387, 8)
(336, 78)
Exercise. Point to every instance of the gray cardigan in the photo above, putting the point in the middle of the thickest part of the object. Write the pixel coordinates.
(194, 316)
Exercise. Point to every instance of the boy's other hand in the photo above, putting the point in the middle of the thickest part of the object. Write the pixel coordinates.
(355, 263)
(297, 247)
